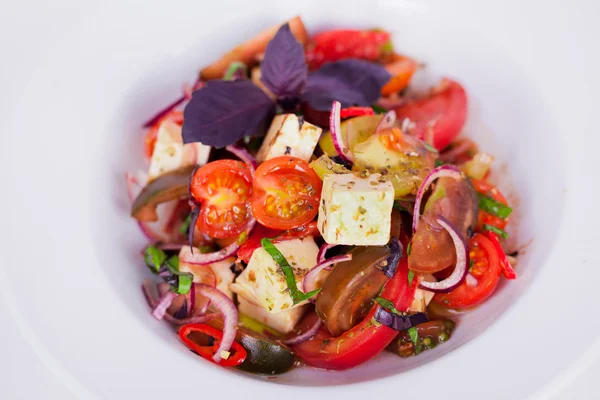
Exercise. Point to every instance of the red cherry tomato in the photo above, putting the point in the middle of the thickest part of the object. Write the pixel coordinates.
(286, 193)
(223, 190)
(485, 268)
(489, 190)
(439, 117)
(340, 44)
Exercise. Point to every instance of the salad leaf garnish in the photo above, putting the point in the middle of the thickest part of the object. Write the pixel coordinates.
(154, 258)
(411, 276)
(385, 303)
(181, 282)
(236, 70)
(352, 82)
(284, 69)
(493, 207)
(414, 337)
(223, 112)
(296, 295)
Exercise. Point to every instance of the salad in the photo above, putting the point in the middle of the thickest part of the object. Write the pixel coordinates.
(304, 207)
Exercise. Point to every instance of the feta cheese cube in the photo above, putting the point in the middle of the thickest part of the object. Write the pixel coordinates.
(283, 321)
(355, 211)
(422, 297)
(170, 153)
(263, 282)
(221, 269)
(286, 138)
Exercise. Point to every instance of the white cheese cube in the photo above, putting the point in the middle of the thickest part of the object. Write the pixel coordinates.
(422, 297)
(263, 282)
(283, 321)
(355, 211)
(286, 138)
(170, 153)
(221, 270)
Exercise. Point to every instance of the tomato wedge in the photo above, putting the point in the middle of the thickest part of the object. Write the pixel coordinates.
(259, 232)
(197, 338)
(485, 268)
(439, 117)
(363, 341)
(486, 218)
(152, 133)
(286, 193)
(507, 269)
(223, 189)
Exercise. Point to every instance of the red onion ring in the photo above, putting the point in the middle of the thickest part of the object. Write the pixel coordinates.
(387, 122)
(188, 255)
(322, 250)
(150, 233)
(152, 302)
(160, 115)
(243, 155)
(308, 284)
(163, 303)
(439, 172)
(462, 261)
(336, 133)
(169, 246)
(303, 337)
(230, 316)
(451, 155)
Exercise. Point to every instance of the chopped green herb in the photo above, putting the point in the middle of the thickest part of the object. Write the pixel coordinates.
(496, 230)
(388, 305)
(493, 207)
(183, 229)
(154, 258)
(411, 276)
(439, 163)
(430, 148)
(471, 263)
(414, 337)
(398, 207)
(378, 109)
(408, 248)
(296, 295)
(184, 279)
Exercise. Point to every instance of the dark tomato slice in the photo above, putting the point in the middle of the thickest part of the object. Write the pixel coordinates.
(485, 268)
(286, 193)
(223, 189)
(439, 117)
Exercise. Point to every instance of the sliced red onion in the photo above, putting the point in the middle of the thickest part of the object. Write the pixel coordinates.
(303, 337)
(471, 281)
(165, 302)
(336, 133)
(161, 114)
(169, 246)
(452, 154)
(387, 122)
(399, 322)
(309, 282)
(439, 172)
(322, 250)
(243, 155)
(188, 255)
(462, 261)
(230, 316)
(152, 302)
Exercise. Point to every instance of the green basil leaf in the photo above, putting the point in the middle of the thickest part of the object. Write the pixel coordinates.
(388, 305)
(411, 276)
(154, 258)
(414, 337)
(493, 207)
(496, 230)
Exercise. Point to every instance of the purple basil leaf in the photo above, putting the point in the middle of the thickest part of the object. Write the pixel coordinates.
(352, 82)
(284, 69)
(223, 112)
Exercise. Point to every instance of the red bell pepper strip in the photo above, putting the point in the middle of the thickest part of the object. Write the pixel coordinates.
(238, 355)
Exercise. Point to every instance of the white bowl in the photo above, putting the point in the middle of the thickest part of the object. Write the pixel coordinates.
(79, 82)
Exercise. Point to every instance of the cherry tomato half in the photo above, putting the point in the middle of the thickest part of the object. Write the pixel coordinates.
(486, 269)
(286, 193)
(489, 190)
(439, 117)
(152, 133)
(197, 338)
(223, 189)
